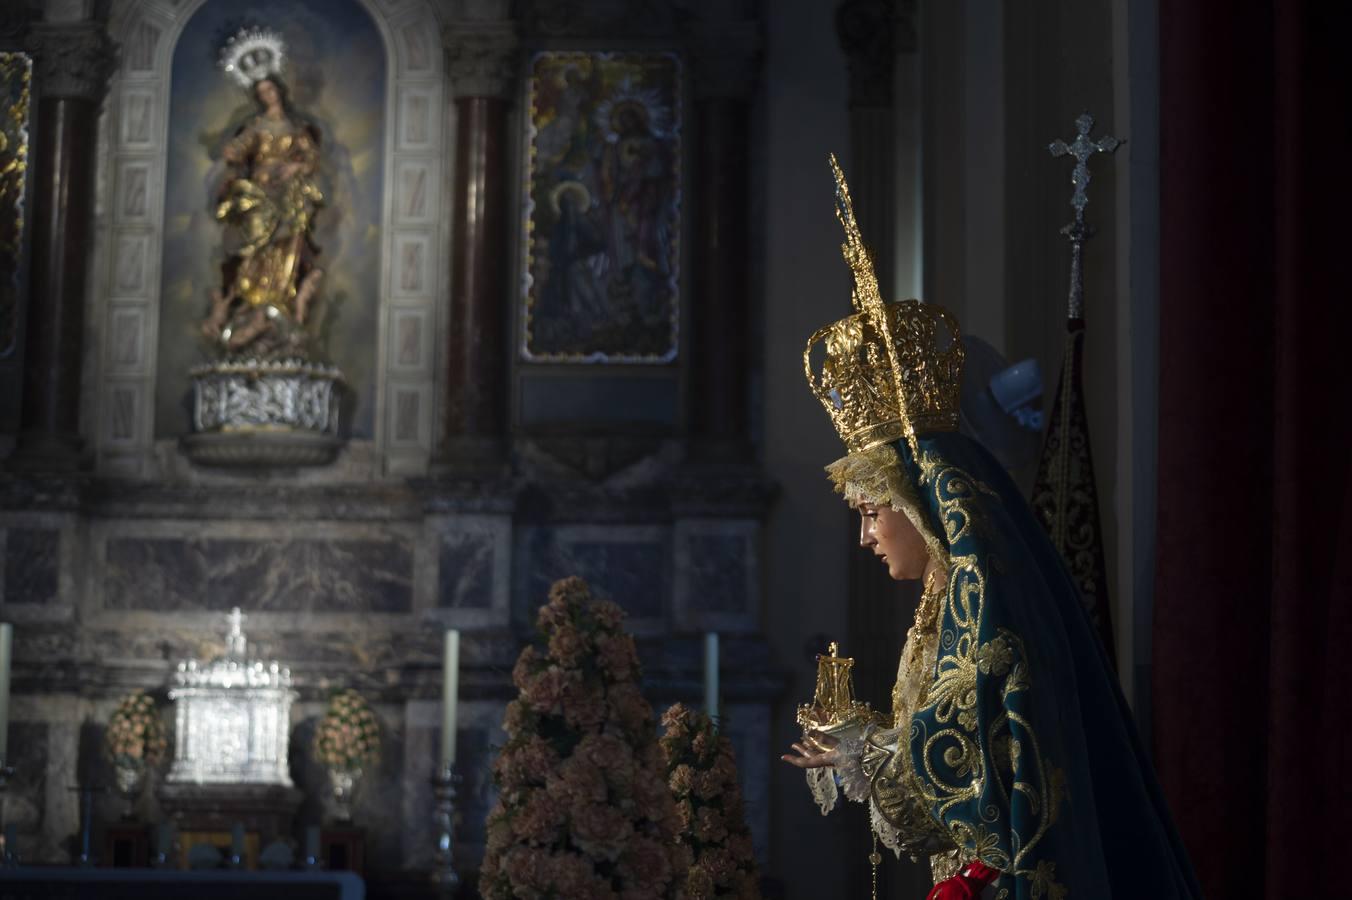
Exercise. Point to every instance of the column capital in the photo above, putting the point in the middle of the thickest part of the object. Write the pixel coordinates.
(72, 61)
(724, 59)
(482, 58)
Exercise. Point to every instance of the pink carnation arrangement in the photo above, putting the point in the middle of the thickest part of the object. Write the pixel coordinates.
(348, 736)
(702, 775)
(583, 809)
(136, 736)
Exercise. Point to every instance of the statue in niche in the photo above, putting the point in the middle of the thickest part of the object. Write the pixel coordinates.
(264, 308)
(266, 400)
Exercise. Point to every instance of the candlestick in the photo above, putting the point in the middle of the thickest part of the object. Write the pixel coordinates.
(711, 675)
(443, 819)
(312, 847)
(450, 695)
(163, 857)
(6, 641)
(236, 860)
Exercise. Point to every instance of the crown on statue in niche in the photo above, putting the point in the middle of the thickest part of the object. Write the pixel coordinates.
(252, 55)
(892, 369)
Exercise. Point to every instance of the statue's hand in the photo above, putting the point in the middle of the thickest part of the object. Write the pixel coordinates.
(814, 751)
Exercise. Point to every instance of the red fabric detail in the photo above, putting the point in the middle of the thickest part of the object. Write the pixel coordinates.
(1253, 592)
(966, 885)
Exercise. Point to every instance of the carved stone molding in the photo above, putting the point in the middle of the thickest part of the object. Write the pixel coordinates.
(483, 58)
(607, 19)
(867, 30)
(14, 27)
(73, 62)
(725, 59)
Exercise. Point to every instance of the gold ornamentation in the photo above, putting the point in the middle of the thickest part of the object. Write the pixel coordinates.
(833, 707)
(265, 306)
(892, 370)
(16, 72)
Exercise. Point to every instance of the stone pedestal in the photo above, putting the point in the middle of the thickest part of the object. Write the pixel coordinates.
(264, 414)
(268, 809)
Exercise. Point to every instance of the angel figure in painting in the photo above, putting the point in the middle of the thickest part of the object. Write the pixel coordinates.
(1008, 756)
(267, 204)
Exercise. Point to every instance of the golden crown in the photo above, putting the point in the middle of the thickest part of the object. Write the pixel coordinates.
(891, 370)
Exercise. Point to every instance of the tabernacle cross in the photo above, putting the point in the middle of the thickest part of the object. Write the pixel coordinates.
(1082, 148)
(235, 639)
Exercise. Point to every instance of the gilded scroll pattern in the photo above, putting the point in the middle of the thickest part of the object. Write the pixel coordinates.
(16, 70)
(973, 774)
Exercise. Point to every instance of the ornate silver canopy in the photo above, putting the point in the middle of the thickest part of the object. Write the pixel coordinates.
(233, 717)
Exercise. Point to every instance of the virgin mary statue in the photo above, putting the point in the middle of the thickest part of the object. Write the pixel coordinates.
(1008, 756)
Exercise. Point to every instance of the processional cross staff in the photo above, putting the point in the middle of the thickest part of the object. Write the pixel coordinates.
(1065, 497)
(1078, 232)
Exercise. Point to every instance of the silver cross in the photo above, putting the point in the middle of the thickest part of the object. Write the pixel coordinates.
(1082, 148)
(235, 639)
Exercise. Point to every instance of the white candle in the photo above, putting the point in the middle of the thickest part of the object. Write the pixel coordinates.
(450, 694)
(711, 674)
(6, 640)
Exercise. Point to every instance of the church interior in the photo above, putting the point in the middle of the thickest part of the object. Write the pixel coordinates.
(339, 338)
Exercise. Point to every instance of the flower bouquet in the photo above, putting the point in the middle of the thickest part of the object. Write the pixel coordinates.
(583, 809)
(347, 741)
(702, 775)
(136, 741)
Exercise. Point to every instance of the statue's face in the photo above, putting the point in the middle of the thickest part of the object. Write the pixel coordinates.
(892, 538)
(268, 94)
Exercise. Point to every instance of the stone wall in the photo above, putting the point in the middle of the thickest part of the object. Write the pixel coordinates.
(110, 583)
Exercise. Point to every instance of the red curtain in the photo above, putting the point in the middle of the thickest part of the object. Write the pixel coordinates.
(1252, 638)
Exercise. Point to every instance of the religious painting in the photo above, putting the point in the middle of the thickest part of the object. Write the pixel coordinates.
(16, 70)
(602, 218)
(273, 196)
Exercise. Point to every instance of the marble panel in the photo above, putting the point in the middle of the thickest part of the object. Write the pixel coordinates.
(418, 46)
(137, 118)
(475, 753)
(31, 562)
(466, 569)
(133, 192)
(748, 727)
(26, 792)
(717, 574)
(126, 340)
(410, 339)
(413, 270)
(625, 564)
(123, 413)
(130, 268)
(409, 409)
(138, 56)
(278, 574)
(415, 184)
(415, 118)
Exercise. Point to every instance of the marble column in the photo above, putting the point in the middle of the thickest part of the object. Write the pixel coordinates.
(482, 60)
(724, 64)
(72, 63)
